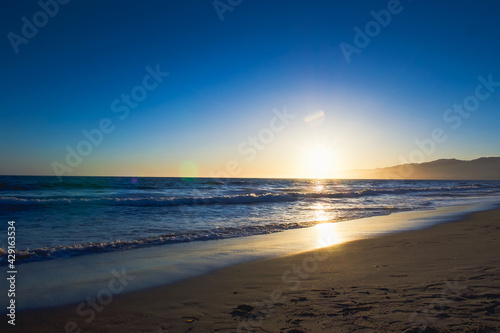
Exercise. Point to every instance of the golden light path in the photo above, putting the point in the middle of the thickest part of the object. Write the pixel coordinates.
(328, 234)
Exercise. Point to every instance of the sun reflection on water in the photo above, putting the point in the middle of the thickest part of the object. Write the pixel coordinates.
(319, 213)
(322, 213)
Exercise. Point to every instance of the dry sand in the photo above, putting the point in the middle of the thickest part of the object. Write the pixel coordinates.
(442, 279)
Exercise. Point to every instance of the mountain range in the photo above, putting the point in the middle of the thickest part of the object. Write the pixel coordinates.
(484, 168)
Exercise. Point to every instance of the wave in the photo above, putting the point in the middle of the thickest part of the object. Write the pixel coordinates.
(86, 248)
(158, 201)
(64, 251)
(96, 183)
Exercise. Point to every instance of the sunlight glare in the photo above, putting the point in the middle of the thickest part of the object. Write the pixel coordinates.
(327, 234)
(320, 162)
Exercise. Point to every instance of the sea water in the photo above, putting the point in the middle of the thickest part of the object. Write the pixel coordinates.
(84, 215)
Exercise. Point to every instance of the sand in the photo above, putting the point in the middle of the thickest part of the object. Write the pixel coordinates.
(441, 279)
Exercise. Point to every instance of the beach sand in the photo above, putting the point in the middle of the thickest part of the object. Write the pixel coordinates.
(445, 278)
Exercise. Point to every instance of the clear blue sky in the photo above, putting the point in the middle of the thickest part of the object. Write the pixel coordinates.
(227, 76)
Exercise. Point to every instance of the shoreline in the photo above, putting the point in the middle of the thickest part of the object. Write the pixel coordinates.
(341, 284)
(70, 280)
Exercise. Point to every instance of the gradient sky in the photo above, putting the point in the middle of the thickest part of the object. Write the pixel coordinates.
(227, 79)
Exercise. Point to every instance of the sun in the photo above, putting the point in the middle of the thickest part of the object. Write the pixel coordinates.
(320, 162)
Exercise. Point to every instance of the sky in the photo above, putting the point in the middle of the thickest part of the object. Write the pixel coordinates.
(239, 88)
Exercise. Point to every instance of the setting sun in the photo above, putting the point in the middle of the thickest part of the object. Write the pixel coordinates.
(298, 166)
(320, 162)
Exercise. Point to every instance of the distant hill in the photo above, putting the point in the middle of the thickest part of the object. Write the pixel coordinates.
(484, 168)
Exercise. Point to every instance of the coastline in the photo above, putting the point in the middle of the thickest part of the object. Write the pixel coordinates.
(444, 276)
(73, 279)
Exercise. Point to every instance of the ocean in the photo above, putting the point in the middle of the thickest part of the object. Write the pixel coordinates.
(79, 216)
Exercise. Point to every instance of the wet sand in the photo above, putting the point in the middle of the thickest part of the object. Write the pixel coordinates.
(445, 278)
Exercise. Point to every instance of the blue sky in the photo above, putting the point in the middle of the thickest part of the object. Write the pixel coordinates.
(226, 78)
